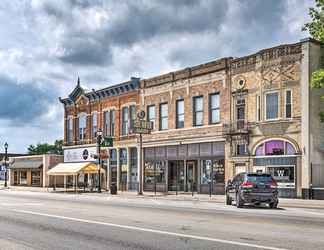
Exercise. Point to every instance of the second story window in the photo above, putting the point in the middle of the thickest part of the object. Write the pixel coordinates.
(240, 112)
(94, 124)
(164, 116)
(180, 114)
(241, 149)
(272, 106)
(151, 115)
(214, 113)
(288, 104)
(70, 130)
(198, 108)
(112, 122)
(132, 110)
(82, 126)
(125, 121)
(106, 123)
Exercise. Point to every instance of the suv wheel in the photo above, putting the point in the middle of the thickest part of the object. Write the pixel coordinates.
(239, 201)
(228, 200)
(273, 204)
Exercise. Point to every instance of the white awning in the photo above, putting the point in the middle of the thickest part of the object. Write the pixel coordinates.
(74, 168)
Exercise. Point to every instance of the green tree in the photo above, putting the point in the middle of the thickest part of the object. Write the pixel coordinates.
(316, 30)
(45, 148)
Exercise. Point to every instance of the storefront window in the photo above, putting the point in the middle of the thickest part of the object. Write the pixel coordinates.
(284, 175)
(123, 156)
(212, 169)
(113, 157)
(23, 178)
(156, 169)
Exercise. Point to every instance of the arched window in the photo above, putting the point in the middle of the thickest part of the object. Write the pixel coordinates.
(275, 147)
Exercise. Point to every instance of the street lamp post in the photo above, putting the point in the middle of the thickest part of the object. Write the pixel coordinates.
(6, 157)
(99, 138)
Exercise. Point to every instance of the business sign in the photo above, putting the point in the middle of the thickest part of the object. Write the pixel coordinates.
(80, 154)
(142, 127)
(107, 142)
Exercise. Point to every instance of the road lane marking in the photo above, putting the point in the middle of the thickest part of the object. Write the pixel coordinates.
(190, 236)
(9, 204)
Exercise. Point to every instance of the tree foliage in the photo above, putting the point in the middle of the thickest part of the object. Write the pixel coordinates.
(45, 148)
(316, 30)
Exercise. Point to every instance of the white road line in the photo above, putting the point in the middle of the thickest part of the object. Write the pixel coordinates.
(155, 201)
(8, 204)
(195, 237)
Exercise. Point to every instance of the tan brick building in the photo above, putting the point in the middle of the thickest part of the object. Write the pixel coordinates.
(274, 121)
(188, 108)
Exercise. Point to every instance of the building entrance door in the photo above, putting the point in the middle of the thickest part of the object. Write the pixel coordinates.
(191, 180)
(176, 176)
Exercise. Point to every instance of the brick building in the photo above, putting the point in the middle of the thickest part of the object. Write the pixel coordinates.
(274, 117)
(112, 110)
(211, 121)
(188, 108)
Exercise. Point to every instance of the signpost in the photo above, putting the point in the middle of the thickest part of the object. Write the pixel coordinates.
(107, 142)
(141, 126)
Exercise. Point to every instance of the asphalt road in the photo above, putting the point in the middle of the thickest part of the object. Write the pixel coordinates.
(64, 221)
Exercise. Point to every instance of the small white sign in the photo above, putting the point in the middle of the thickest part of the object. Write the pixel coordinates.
(80, 154)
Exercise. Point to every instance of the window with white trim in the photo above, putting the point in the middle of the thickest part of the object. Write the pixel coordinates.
(70, 129)
(164, 119)
(82, 126)
(125, 121)
(151, 115)
(272, 105)
(180, 113)
(94, 124)
(198, 108)
(214, 111)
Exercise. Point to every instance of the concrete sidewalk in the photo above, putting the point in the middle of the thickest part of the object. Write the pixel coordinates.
(283, 202)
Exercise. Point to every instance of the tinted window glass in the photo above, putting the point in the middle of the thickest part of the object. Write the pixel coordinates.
(255, 178)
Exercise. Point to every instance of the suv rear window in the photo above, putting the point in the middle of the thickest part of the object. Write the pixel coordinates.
(257, 178)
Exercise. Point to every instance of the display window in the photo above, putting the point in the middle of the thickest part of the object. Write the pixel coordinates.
(154, 170)
(212, 170)
(284, 175)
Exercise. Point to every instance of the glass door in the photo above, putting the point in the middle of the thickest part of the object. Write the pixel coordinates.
(191, 177)
(176, 176)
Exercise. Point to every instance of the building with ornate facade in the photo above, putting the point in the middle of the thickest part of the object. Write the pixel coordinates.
(274, 117)
(210, 122)
(111, 109)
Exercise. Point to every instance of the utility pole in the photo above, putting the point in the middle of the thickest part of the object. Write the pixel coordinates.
(140, 167)
(6, 158)
(99, 137)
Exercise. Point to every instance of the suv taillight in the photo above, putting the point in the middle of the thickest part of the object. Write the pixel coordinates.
(273, 184)
(247, 184)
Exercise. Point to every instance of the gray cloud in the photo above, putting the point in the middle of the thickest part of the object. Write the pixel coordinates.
(23, 103)
(48, 43)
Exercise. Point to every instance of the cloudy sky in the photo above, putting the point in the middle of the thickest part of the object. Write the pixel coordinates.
(46, 45)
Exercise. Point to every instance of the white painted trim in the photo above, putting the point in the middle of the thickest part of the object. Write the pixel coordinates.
(109, 109)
